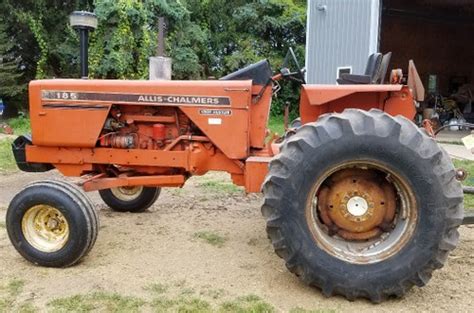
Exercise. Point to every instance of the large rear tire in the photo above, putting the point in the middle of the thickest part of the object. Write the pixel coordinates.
(52, 224)
(130, 199)
(362, 204)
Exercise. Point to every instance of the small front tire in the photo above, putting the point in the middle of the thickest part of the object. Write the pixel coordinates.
(130, 199)
(52, 224)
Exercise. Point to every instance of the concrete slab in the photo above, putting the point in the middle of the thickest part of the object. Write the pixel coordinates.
(457, 151)
(447, 136)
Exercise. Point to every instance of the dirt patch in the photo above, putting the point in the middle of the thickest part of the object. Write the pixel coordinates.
(171, 251)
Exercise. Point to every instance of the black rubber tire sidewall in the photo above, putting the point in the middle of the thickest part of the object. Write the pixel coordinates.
(145, 200)
(426, 234)
(79, 226)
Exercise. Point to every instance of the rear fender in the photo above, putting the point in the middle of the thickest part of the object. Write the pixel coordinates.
(320, 99)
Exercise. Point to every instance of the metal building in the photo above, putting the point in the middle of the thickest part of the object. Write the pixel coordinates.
(340, 36)
(436, 34)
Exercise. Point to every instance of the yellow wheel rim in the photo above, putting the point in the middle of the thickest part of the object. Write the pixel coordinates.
(127, 193)
(45, 228)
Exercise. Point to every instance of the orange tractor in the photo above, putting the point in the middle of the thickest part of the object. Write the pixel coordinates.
(358, 200)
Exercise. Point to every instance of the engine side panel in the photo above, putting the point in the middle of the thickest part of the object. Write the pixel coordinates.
(65, 124)
(74, 113)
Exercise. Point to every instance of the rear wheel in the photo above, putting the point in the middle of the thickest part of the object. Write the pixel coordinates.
(52, 224)
(130, 199)
(362, 204)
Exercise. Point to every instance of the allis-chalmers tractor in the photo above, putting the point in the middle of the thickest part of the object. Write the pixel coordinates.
(358, 200)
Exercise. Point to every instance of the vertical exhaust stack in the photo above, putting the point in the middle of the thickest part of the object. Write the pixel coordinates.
(160, 65)
(84, 22)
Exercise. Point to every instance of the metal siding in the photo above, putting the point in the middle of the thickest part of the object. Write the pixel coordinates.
(342, 35)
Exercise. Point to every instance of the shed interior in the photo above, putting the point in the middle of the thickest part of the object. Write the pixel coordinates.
(439, 36)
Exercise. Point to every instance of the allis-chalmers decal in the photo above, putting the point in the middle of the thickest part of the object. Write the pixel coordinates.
(134, 98)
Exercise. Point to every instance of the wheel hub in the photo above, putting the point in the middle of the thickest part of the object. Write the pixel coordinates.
(357, 204)
(127, 193)
(45, 228)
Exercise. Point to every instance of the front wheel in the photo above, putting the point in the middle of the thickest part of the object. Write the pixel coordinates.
(130, 199)
(52, 224)
(362, 204)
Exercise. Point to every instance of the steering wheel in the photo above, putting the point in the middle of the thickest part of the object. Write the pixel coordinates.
(298, 75)
(301, 70)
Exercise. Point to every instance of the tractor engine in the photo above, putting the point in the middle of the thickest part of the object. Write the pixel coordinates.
(148, 128)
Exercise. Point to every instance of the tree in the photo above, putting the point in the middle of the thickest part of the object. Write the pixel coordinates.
(9, 71)
(41, 32)
(205, 37)
(247, 31)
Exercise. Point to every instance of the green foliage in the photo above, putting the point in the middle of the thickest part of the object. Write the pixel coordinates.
(276, 125)
(121, 45)
(204, 38)
(9, 71)
(20, 125)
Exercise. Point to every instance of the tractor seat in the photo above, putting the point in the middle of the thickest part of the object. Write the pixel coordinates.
(380, 78)
(370, 75)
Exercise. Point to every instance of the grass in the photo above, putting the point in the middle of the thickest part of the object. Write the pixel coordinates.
(7, 161)
(211, 238)
(185, 302)
(459, 143)
(247, 304)
(301, 310)
(250, 303)
(115, 303)
(20, 125)
(184, 305)
(192, 305)
(8, 298)
(213, 293)
(15, 287)
(469, 167)
(157, 288)
(97, 301)
(220, 186)
(276, 124)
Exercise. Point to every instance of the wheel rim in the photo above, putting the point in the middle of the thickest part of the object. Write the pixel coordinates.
(127, 193)
(45, 228)
(361, 212)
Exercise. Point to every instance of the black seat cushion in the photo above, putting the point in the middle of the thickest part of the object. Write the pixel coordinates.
(371, 71)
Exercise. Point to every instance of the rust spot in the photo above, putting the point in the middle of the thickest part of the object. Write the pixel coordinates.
(377, 203)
